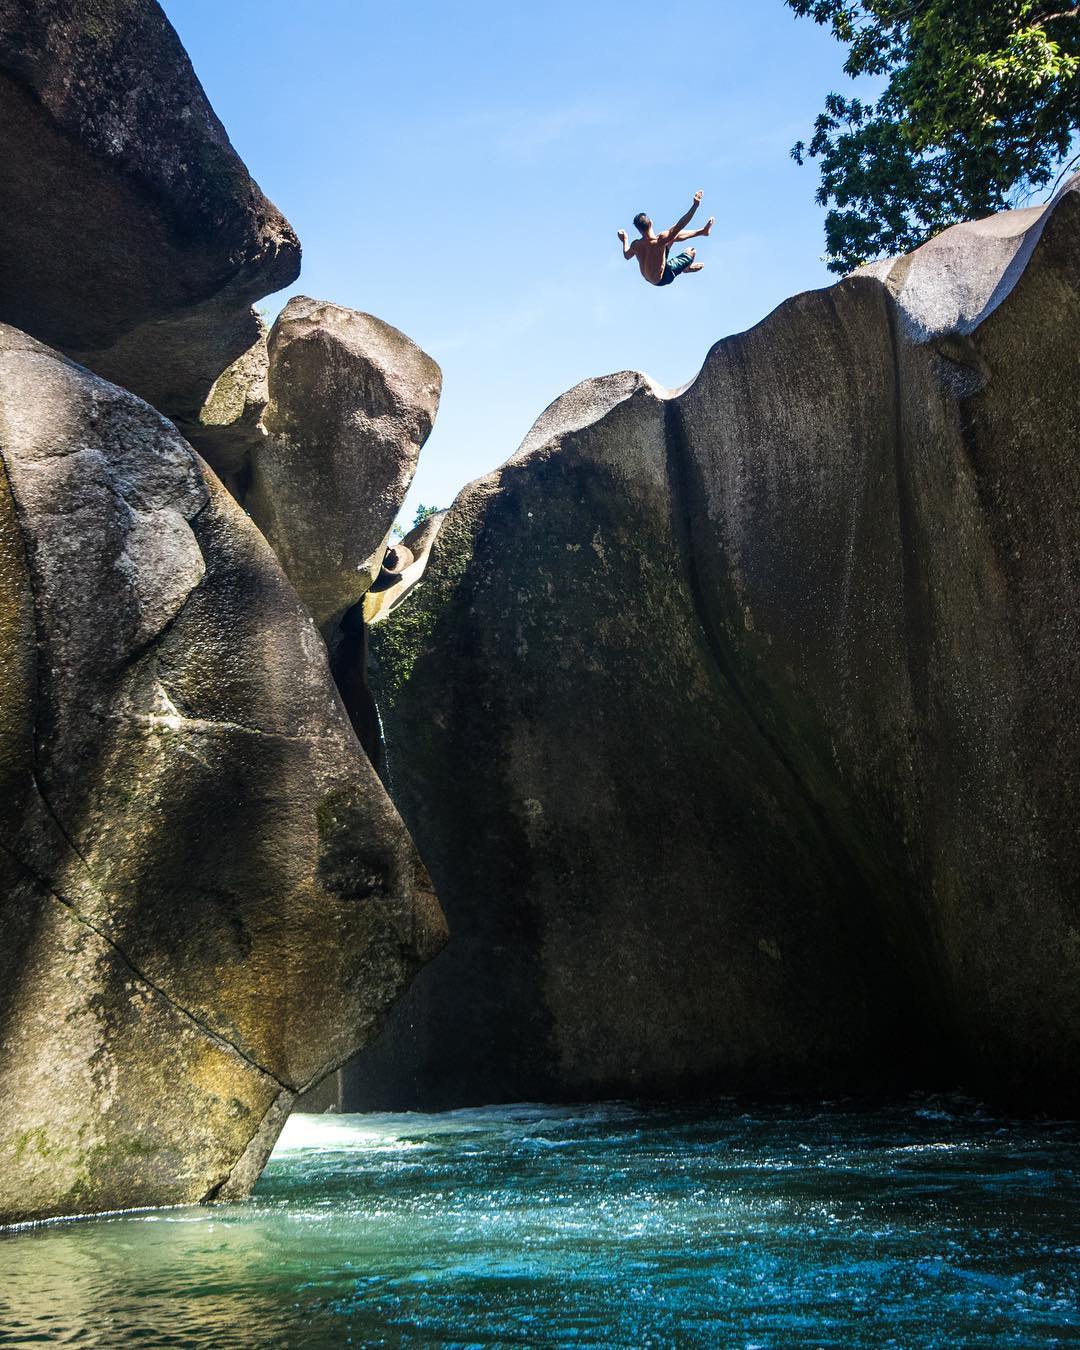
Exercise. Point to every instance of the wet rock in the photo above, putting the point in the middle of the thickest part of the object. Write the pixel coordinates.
(132, 236)
(352, 401)
(209, 901)
(738, 727)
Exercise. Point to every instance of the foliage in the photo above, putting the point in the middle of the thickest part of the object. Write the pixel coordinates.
(422, 513)
(981, 105)
(408, 632)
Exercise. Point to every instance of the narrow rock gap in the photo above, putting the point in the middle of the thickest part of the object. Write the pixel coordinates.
(348, 657)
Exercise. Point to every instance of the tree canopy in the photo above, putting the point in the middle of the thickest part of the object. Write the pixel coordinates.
(981, 105)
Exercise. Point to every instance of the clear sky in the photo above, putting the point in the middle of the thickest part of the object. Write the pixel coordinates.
(459, 168)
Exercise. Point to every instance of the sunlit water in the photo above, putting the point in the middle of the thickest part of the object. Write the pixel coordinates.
(931, 1224)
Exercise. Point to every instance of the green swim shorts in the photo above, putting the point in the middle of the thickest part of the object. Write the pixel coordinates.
(673, 267)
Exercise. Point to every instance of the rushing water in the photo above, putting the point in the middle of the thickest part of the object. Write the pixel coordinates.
(930, 1224)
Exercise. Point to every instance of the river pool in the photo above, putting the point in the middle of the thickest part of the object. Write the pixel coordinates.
(929, 1223)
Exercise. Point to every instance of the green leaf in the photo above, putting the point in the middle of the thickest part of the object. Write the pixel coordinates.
(981, 106)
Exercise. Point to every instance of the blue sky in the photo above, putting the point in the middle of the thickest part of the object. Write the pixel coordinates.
(460, 169)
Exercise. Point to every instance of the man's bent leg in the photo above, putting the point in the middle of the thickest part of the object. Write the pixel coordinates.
(682, 262)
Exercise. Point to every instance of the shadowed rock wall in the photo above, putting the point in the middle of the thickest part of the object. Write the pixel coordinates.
(738, 727)
(132, 235)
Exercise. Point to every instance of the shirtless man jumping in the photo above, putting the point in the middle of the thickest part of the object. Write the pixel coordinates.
(651, 250)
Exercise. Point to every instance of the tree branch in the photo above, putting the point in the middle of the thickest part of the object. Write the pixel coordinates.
(1073, 13)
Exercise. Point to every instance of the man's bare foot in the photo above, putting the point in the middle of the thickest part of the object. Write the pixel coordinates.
(696, 267)
(708, 225)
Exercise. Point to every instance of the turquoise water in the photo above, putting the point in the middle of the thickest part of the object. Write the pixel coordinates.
(928, 1224)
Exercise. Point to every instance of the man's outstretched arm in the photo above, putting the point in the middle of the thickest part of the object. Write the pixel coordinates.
(669, 236)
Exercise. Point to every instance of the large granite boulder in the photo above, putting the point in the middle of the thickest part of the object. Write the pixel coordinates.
(131, 234)
(739, 726)
(208, 899)
(230, 421)
(351, 403)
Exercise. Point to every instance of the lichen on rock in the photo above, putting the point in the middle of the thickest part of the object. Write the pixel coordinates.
(209, 900)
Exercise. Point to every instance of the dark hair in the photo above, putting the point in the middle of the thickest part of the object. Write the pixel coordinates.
(640, 221)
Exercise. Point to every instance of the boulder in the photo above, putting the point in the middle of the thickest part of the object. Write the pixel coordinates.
(351, 402)
(739, 726)
(132, 236)
(230, 421)
(415, 551)
(209, 901)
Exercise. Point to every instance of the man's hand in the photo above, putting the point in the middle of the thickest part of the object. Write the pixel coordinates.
(697, 197)
(622, 236)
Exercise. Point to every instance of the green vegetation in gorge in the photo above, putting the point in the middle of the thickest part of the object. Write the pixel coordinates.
(981, 106)
(422, 513)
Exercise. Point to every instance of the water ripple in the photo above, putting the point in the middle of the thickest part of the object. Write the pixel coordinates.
(929, 1224)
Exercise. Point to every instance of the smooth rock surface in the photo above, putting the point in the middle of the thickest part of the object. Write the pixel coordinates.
(209, 901)
(351, 402)
(739, 728)
(132, 236)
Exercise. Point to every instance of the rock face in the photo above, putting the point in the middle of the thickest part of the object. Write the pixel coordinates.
(209, 901)
(132, 236)
(739, 727)
(351, 402)
(323, 464)
(230, 421)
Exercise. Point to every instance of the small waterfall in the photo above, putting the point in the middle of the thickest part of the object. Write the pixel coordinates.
(382, 763)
